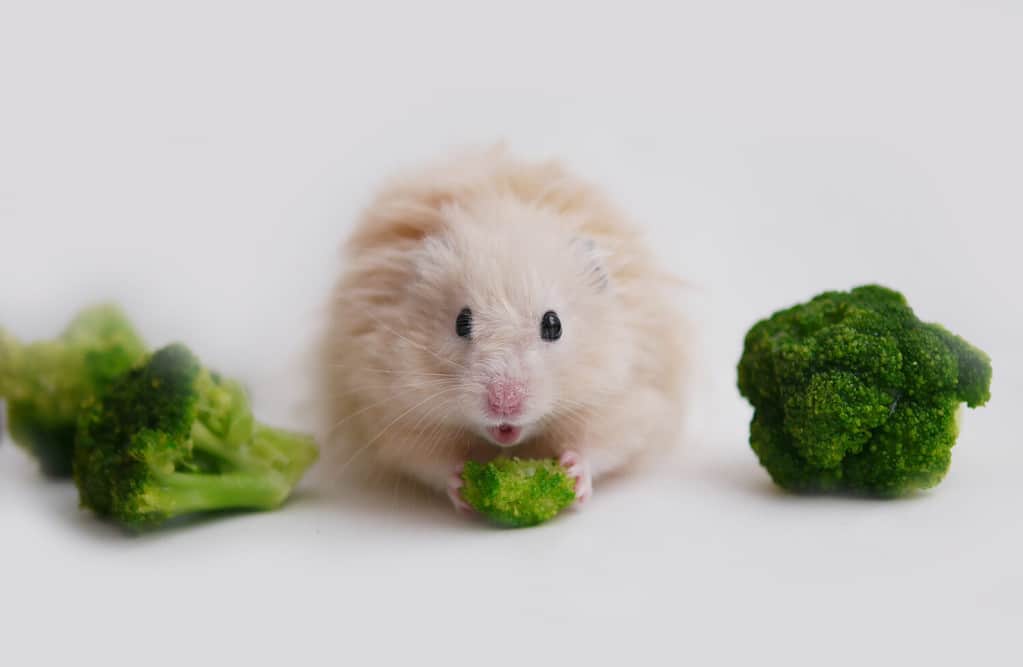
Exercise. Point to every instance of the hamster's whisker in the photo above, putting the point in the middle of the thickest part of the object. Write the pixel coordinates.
(394, 421)
(568, 425)
(570, 408)
(373, 405)
(576, 416)
(596, 395)
(361, 449)
(578, 409)
(570, 402)
(429, 412)
(391, 371)
(433, 443)
(436, 435)
(421, 385)
(413, 343)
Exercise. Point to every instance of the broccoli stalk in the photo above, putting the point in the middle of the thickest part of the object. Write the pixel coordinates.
(179, 493)
(517, 492)
(853, 393)
(44, 383)
(171, 438)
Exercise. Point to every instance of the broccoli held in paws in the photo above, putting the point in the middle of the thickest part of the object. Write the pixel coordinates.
(171, 438)
(44, 383)
(517, 492)
(853, 393)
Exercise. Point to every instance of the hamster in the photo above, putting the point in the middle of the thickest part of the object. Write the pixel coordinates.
(494, 306)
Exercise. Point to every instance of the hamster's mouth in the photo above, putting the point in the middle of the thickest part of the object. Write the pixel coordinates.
(505, 434)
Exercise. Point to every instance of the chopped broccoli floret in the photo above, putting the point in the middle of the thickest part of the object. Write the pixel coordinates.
(44, 383)
(517, 492)
(170, 438)
(853, 393)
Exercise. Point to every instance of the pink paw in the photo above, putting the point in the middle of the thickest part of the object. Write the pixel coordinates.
(455, 493)
(579, 470)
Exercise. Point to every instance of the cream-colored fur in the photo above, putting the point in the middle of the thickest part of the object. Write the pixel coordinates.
(509, 239)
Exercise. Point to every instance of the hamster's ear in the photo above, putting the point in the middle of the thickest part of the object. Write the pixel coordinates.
(593, 261)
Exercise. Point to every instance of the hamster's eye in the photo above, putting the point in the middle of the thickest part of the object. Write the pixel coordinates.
(550, 326)
(463, 323)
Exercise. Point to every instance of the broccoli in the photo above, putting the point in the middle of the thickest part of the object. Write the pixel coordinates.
(517, 492)
(170, 438)
(853, 393)
(44, 383)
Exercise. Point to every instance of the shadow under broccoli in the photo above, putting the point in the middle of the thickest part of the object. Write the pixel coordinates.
(853, 393)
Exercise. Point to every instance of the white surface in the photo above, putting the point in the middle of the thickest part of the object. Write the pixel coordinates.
(201, 163)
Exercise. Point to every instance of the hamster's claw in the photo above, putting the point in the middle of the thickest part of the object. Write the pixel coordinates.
(455, 493)
(578, 469)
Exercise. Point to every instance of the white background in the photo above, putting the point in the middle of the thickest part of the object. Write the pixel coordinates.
(200, 163)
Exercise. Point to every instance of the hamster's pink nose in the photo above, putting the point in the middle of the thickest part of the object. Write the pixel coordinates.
(505, 398)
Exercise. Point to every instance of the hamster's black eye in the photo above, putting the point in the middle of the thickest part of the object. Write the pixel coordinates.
(463, 323)
(550, 326)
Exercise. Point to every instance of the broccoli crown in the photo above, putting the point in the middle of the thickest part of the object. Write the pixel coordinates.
(170, 438)
(517, 492)
(852, 392)
(44, 383)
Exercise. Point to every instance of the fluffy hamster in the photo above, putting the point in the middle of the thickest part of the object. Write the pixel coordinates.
(491, 304)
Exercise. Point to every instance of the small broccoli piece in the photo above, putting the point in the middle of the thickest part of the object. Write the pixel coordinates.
(517, 492)
(170, 438)
(44, 383)
(853, 393)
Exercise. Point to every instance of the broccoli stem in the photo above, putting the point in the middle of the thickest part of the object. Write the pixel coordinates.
(270, 450)
(206, 441)
(182, 493)
(293, 452)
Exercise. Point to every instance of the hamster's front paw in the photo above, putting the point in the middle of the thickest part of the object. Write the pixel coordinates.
(578, 468)
(455, 492)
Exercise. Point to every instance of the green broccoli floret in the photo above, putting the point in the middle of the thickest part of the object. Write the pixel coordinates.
(517, 492)
(853, 393)
(170, 438)
(44, 383)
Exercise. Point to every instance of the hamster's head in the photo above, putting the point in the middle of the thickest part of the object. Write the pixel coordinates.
(521, 314)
